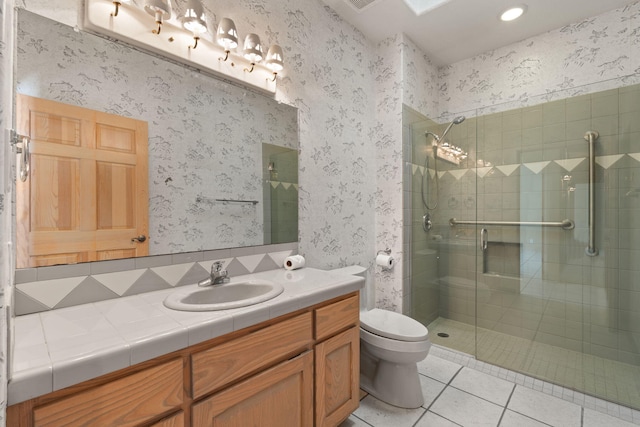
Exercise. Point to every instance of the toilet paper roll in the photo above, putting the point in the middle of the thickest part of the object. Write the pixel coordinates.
(293, 262)
(385, 261)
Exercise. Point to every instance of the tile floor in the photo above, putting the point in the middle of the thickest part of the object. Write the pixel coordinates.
(461, 391)
(615, 381)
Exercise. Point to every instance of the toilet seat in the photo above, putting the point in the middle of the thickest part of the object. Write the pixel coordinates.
(401, 349)
(393, 325)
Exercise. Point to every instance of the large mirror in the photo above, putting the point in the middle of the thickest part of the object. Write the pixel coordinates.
(222, 159)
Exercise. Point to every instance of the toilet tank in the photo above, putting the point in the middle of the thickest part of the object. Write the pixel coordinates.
(367, 293)
(352, 270)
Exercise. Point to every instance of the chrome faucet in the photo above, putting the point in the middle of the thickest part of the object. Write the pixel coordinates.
(218, 275)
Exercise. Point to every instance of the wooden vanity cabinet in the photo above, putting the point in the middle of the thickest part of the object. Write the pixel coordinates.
(298, 370)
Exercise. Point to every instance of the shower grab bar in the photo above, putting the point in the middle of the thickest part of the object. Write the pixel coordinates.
(591, 137)
(484, 239)
(566, 224)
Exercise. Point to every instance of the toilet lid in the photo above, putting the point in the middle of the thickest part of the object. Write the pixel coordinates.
(392, 325)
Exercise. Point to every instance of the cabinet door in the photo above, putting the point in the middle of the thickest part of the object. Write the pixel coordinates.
(280, 396)
(337, 377)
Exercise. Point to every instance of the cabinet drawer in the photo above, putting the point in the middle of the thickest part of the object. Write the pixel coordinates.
(336, 317)
(218, 366)
(128, 401)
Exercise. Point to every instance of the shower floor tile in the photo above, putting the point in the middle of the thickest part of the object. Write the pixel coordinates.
(471, 393)
(607, 379)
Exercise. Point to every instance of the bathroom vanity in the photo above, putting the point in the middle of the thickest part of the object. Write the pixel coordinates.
(298, 368)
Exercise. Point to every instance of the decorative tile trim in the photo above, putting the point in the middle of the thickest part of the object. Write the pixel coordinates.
(47, 288)
(569, 165)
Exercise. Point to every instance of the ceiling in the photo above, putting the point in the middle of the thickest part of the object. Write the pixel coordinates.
(460, 29)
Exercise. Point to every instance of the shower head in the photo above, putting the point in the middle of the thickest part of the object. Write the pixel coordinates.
(456, 121)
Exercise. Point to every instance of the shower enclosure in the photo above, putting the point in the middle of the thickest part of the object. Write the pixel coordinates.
(532, 261)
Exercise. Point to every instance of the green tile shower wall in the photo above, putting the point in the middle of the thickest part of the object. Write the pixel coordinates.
(280, 176)
(563, 297)
(284, 214)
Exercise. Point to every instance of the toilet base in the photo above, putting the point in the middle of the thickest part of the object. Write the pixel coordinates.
(392, 383)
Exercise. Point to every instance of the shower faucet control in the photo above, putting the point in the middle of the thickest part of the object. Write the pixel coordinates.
(426, 222)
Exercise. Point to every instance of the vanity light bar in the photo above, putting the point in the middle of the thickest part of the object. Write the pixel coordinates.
(132, 25)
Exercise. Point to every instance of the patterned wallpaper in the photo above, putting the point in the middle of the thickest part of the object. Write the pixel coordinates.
(600, 49)
(420, 86)
(388, 196)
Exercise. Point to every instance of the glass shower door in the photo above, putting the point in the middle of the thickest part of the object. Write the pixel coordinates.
(558, 302)
(502, 274)
(442, 267)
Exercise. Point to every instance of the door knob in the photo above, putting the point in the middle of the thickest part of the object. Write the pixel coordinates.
(141, 238)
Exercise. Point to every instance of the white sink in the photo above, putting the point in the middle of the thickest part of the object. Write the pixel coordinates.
(223, 297)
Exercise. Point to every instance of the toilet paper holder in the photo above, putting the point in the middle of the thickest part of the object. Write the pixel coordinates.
(385, 261)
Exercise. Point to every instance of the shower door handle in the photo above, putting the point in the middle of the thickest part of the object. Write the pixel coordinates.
(484, 239)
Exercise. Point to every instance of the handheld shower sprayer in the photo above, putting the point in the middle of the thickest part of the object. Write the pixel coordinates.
(455, 121)
(438, 139)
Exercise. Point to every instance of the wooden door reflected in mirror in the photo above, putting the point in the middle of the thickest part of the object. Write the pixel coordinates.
(86, 197)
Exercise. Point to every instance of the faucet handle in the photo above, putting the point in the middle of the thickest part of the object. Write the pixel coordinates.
(217, 266)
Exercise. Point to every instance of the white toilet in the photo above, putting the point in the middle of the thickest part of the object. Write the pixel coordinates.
(391, 345)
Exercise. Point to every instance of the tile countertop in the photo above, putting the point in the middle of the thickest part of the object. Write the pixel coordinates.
(60, 348)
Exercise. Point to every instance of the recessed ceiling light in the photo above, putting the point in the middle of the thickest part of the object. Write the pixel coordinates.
(513, 13)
